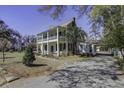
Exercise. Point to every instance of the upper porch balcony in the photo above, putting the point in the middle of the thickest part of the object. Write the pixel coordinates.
(50, 38)
(51, 35)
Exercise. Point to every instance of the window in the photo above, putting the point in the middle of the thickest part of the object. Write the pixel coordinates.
(45, 36)
(70, 46)
(45, 47)
(60, 45)
(56, 47)
(52, 48)
(60, 33)
(64, 46)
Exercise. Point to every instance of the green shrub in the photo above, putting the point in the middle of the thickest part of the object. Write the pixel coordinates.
(29, 56)
(120, 62)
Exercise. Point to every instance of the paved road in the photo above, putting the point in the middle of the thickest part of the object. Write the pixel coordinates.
(99, 72)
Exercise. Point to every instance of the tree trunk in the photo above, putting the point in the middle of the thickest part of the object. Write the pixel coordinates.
(4, 46)
(121, 50)
(75, 48)
(3, 55)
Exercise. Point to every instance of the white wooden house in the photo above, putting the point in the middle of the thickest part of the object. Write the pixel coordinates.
(53, 42)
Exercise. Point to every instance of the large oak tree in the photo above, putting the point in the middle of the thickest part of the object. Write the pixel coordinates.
(108, 17)
(7, 36)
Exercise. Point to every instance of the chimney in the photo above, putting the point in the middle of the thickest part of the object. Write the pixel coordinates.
(74, 22)
(74, 19)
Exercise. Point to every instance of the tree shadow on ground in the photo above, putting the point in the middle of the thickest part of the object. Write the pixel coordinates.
(72, 77)
(37, 65)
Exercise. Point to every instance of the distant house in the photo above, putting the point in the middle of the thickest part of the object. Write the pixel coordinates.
(117, 53)
(53, 41)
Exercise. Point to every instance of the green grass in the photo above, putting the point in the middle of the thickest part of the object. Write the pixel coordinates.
(11, 57)
(74, 58)
(51, 64)
(16, 57)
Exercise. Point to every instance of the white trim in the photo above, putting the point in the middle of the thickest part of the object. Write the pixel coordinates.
(58, 42)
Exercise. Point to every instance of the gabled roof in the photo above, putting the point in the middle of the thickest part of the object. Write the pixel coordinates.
(67, 23)
(61, 25)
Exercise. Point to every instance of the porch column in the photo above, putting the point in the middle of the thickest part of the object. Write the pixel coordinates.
(58, 52)
(42, 49)
(47, 42)
(37, 45)
(37, 48)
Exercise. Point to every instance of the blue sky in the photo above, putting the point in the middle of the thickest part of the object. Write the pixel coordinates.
(29, 21)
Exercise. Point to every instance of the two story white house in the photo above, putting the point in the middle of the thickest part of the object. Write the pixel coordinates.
(54, 42)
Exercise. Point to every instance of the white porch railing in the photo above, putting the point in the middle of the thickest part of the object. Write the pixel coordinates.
(51, 38)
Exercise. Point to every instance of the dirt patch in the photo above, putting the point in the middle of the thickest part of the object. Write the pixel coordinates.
(25, 71)
(40, 67)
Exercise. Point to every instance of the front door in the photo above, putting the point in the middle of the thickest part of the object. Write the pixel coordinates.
(52, 49)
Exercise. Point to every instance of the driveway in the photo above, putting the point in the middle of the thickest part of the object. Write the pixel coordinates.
(100, 72)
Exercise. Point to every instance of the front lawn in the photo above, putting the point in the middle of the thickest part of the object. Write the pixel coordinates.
(42, 65)
(11, 57)
(13, 64)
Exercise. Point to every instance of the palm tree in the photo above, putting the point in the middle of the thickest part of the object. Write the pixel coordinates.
(75, 35)
(7, 35)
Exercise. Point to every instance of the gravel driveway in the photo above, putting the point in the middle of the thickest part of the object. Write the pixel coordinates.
(100, 72)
